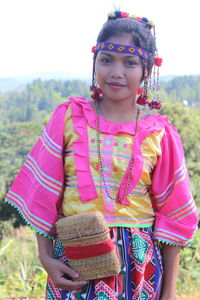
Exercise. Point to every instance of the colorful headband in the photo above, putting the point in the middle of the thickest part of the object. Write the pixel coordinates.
(108, 46)
(119, 14)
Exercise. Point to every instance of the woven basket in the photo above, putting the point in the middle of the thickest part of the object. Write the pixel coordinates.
(88, 246)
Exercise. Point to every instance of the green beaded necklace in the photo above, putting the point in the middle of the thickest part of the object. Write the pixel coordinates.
(100, 161)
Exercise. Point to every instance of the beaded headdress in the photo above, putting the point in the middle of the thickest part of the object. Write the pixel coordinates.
(149, 93)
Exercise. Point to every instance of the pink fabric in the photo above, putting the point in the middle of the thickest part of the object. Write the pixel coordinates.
(176, 214)
(86, 187)
(37, 190)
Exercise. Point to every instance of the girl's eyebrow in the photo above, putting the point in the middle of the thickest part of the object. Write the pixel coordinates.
(109, 54)
(105, 53)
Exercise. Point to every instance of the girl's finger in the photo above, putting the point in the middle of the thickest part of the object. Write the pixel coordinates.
(68, 272)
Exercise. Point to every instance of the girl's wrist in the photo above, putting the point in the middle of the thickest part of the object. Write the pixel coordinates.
(168, 292)
(45, 261)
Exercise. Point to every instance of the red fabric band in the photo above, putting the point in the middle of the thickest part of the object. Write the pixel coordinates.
(89, 251)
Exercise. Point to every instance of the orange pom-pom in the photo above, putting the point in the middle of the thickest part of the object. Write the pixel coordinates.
(158, 61)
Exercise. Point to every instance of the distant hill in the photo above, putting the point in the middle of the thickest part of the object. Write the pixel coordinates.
(19, 83)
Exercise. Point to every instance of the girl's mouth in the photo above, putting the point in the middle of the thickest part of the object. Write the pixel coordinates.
(115, 85)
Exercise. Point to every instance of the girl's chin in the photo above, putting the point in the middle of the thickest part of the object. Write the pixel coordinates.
(117, 97)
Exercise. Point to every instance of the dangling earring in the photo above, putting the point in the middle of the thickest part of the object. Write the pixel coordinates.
(96, 91)
(156, 103)
(143, 98)
(151, 88)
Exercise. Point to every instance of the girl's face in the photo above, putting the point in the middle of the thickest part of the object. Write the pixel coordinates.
(119, 75)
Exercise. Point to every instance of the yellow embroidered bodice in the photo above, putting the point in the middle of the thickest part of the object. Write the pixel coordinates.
(116, 151)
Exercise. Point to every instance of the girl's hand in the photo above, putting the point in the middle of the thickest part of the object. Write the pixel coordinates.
(57, 270)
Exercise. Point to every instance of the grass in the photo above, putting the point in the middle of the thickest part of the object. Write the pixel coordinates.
(21, 273)
(189, 270)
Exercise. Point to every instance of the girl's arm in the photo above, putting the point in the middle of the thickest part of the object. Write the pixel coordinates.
(55, 268)
(171, 256)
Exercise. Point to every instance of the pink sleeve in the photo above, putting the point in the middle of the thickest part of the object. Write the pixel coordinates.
(176, 213)
(37, 190)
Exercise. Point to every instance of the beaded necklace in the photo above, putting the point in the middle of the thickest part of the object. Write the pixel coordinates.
(100, 161)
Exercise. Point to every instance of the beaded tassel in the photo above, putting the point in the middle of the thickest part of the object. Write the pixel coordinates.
(143, 98)
(156, 103)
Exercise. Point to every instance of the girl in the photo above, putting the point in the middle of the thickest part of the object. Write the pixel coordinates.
(111, 156)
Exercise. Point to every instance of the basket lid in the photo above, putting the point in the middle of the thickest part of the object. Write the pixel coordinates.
(81, 225)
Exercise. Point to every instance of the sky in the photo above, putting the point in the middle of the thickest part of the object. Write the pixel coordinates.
(57, 35)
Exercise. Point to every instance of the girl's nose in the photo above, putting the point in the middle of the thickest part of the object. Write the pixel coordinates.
(117, 71)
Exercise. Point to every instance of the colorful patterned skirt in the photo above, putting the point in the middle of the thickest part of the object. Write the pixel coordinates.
(140, 275)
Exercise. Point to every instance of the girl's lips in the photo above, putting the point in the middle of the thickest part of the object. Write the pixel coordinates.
(115, 85)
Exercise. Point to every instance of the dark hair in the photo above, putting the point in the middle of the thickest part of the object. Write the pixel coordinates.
(141, 35)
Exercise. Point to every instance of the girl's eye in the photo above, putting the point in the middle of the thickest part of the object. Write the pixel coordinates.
(131, 63)
(105, 60)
